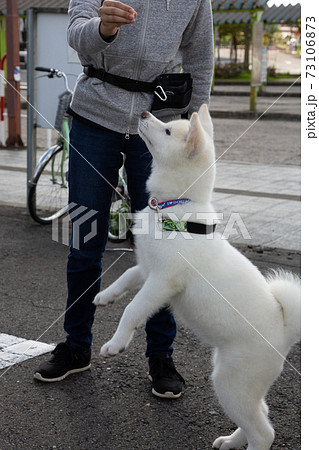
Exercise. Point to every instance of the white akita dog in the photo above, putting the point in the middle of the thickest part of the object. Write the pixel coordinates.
(250, 321)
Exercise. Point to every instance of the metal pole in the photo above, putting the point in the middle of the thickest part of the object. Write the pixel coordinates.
(257, 38)
(31, 127)
(13, 71)
(215, 34)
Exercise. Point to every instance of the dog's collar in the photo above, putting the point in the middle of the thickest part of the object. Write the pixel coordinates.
(171, 225)
(189, 227)
(155, 205)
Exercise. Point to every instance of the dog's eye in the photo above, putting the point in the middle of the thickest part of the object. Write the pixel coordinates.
(168, 132)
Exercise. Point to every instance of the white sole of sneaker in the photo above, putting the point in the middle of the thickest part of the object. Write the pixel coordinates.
(166, 394)
(39, 377)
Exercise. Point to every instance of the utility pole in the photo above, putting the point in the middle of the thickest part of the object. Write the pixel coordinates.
(13, 75)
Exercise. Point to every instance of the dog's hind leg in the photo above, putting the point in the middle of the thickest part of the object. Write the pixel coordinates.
(129, 280)
(241, 387)
(254, 426)
(236, 440)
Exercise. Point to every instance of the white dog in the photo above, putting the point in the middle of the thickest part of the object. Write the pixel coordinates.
(250, 321)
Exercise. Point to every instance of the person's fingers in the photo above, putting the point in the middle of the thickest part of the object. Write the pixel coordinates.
(117, 4)
(113, 15)
(116, 13)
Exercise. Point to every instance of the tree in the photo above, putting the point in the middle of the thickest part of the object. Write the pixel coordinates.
(234, 35)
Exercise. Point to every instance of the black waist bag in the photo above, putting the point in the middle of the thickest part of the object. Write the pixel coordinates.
(172, 91)
(172, 94)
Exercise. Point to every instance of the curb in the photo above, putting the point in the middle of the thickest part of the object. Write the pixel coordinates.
(247, 83)
(260, 94)
(254, 115)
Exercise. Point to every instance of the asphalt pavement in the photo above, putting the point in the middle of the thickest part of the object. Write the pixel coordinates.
(111, 406)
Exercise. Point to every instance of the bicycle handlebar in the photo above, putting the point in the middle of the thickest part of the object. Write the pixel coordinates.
(54, 72)
(45, 69)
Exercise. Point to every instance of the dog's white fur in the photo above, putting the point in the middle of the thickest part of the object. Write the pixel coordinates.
(251, 321)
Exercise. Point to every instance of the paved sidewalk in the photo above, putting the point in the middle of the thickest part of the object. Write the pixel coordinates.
(267, 199)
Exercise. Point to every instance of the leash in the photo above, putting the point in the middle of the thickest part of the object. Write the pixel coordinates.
(153, 203)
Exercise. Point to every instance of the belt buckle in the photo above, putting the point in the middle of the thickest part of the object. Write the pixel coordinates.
(88, 71)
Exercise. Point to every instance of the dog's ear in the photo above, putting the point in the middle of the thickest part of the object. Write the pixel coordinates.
(206, 120)
(195, 139)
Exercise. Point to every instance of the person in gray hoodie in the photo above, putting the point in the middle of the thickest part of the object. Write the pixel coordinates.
(139, 41)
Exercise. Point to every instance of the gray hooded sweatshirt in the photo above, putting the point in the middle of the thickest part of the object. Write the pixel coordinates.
(167, 36)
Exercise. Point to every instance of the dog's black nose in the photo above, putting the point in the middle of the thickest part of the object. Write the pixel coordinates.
(144, 114)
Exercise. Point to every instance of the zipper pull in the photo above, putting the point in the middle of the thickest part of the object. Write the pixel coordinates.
(127, 134)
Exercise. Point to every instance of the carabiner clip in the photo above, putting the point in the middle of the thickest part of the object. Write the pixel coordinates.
(153, 204)
(164, 98)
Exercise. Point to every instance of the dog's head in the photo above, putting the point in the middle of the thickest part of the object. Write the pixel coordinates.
(183, 154)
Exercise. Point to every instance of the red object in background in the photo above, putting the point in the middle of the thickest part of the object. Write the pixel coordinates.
(13, 85)
(3, 59)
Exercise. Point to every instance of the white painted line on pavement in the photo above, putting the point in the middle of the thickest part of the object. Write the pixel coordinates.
(14, 350)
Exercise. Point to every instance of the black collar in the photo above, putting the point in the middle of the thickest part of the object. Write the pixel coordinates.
(189, 227)
(200, 228)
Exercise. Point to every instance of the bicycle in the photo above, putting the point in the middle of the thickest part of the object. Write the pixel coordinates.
(48, 187)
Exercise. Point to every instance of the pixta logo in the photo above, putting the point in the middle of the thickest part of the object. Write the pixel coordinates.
(67, 219)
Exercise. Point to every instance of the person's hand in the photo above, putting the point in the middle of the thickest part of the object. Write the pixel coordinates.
(113, 15)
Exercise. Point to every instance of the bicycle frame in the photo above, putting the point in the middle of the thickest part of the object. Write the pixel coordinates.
(64, 138)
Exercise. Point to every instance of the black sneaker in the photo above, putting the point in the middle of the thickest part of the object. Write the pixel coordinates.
(64, 361)
(166, 381)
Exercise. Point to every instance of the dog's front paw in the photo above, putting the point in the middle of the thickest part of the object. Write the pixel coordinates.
(103, 298)
(112, 348)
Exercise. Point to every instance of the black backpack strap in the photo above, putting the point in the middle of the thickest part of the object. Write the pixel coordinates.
(117, 80)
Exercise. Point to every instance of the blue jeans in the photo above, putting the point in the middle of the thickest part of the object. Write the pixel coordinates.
(96, 156)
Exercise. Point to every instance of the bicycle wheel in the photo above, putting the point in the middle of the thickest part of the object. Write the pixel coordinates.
(120, 217)
(49, 192)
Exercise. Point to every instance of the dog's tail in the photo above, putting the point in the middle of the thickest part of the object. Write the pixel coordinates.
(286, 289)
